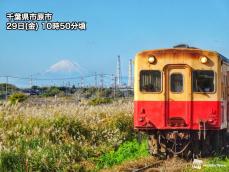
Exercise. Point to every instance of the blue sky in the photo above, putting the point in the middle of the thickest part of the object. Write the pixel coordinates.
(118, 27)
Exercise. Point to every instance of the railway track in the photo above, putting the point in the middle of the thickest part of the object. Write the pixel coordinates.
(170, 165)
(154, 166)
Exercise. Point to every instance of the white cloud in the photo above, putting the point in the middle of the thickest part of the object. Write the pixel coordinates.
(65, 66)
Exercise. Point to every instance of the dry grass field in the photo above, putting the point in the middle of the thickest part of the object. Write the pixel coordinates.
(61, 137)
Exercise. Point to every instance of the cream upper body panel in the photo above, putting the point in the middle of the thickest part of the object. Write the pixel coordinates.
(179, 56)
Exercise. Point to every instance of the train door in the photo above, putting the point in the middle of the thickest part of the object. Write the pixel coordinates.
(178, 96)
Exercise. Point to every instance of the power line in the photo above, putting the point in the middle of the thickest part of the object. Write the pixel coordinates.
(101, 80)
(54, 79)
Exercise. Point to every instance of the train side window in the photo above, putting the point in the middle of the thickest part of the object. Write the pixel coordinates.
(150, 81)
(176, 82)
(203, 81)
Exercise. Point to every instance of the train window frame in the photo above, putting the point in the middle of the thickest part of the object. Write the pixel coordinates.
(180, 92)
(151, 92)
(214, 83)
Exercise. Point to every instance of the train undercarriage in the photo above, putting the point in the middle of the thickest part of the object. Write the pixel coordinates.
(188, 144)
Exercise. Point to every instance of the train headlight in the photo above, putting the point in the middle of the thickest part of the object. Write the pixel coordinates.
(151, 59)
(203, 59)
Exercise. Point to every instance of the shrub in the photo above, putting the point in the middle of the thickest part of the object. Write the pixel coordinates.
(52, 91)
(128, 150)
(98, 101)
(17, 97)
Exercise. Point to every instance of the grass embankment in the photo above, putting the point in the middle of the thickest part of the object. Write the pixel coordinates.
(66, 137)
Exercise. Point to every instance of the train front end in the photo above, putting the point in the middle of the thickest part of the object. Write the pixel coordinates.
(178, 95)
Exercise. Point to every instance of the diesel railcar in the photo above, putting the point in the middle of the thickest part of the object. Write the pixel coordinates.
(181, 100)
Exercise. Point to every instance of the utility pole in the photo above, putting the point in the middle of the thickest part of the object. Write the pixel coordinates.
(6, 88)
(31, 81)
(101, 80)
(130, 78)
(81, 81)
(96, 83)
(31, 84)
(115, 85)
(68, 88)
(101, 84)
(118, 71)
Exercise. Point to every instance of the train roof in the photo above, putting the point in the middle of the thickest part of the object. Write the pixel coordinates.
(186, 48)
(224, 58)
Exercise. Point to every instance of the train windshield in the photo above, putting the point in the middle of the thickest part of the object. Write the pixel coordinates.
(150, 81)
(203, 81)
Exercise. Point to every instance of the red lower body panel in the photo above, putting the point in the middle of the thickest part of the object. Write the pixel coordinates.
(177, 114)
